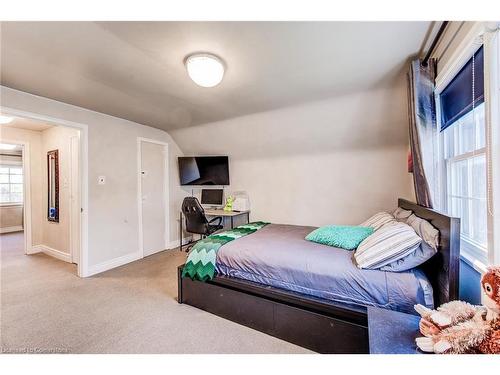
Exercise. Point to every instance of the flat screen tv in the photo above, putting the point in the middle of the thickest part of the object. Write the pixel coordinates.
(204, 170)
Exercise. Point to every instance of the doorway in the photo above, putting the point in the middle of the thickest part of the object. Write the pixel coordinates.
(152, 196)
(15, 199)
(12, 198)
(51, 177)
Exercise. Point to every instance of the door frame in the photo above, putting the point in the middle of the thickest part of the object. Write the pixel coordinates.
(83, 267)
(166, 200)
(75, 200)
(26, 165)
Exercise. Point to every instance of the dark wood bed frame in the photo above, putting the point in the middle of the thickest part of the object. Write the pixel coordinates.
(314, 323)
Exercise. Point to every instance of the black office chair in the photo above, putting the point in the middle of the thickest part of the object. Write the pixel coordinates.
(196, 221)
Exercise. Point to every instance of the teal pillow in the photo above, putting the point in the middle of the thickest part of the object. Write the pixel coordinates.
(343, 236)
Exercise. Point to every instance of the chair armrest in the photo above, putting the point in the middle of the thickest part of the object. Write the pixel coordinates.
(216, 218)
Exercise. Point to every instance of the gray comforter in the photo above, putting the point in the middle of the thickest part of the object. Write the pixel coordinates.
(279, 256)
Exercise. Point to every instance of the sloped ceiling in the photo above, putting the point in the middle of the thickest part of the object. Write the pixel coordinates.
(134, 70)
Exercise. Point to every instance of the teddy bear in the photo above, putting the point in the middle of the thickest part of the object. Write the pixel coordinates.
(458, 327)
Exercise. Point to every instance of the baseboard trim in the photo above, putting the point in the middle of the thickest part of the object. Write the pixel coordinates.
(16, 228)
(120, 261)
(175, 244)
(113, 263)
(52, 252)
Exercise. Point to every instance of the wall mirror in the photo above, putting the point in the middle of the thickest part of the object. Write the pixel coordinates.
(53, 185)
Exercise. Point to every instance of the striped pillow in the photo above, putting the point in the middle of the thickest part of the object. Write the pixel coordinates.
(378, 220)
(388, 244)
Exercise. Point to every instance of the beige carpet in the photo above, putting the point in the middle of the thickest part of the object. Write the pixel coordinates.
(45, 307)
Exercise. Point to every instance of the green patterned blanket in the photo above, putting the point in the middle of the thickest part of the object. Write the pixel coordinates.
(200, 264)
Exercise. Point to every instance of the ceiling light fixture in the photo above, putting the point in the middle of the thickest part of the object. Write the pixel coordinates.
(205, 69)
(5, 146)
(5, 119)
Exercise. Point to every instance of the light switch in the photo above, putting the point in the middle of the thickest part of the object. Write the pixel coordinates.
(101, 180)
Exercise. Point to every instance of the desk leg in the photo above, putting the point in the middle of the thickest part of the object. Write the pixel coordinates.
(248, 217)
(180, 231)
(231, 222)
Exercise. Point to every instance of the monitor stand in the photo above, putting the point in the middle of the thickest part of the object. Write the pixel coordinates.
(212, 207)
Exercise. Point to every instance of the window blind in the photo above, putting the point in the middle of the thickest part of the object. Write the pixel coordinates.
(457, 98)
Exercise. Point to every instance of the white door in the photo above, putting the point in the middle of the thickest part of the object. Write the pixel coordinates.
(153, 197)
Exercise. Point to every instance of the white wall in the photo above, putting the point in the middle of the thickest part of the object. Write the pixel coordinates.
(330, 162)
(56, 235)
(334, 161)
(11, 218)
(112, 144)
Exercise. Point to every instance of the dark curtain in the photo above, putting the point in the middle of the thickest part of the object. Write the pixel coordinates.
(422, 120)
(457, 98)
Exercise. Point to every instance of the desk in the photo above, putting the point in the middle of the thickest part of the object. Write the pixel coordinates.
(230, 214)
(214, 213)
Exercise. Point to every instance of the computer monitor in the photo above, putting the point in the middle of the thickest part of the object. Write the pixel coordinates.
(212, 197)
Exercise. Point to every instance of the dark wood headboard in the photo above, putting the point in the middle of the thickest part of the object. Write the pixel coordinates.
(442, 269)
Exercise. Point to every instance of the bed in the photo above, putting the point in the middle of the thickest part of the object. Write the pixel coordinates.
(313, 295)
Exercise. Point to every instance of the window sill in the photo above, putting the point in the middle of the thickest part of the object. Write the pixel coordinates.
(11, 204)
(472, 261)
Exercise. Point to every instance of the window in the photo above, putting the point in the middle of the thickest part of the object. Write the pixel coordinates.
(464, 157)
(11, 184)
(465, 164)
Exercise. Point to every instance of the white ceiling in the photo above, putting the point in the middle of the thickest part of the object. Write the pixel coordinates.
(27, 124)
(135, 70)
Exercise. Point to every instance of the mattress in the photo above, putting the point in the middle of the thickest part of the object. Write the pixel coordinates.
(279, 256)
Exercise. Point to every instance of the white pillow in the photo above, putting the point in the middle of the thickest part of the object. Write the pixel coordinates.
(425, 230)
(386, 245)
(378, 220)
(401, 214)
